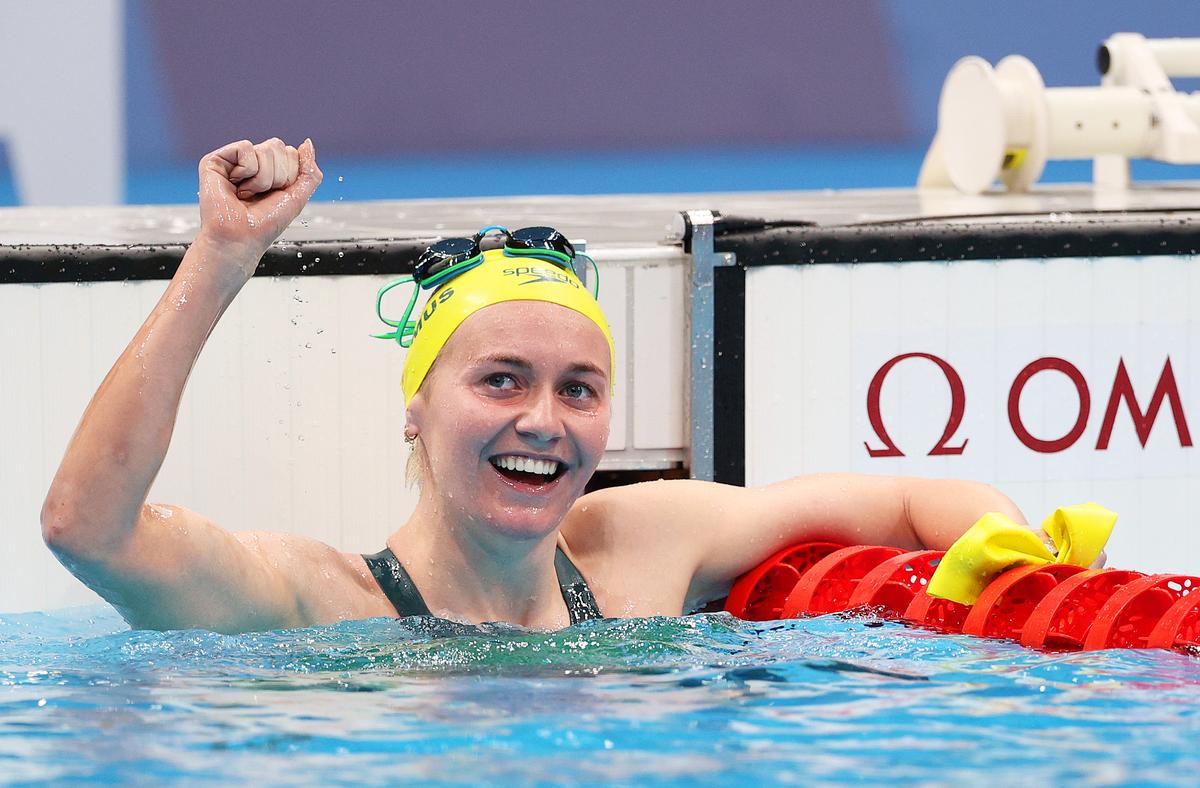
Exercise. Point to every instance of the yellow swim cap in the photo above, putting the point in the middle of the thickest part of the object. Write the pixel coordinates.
(497, 279)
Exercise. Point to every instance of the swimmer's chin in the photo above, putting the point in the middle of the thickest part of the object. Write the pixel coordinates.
(535, 526)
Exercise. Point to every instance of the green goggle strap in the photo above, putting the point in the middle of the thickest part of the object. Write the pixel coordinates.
(404, 328)
(550, 255)
(596, 271)
(555, 256)
(450, 272)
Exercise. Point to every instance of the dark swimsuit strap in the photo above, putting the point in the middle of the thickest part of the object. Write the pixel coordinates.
(581, 603)
(402, 592)
(397, 586)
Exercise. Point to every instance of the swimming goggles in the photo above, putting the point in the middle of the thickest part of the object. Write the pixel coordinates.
(449, 257)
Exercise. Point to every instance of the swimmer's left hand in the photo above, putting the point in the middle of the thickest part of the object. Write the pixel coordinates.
(250, 193)
(1099, 563)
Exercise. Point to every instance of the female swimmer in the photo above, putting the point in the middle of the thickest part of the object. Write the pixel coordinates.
(516, 384)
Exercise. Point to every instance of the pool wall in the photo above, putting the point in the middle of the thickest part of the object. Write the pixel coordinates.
(293, 417)
(1058, 380)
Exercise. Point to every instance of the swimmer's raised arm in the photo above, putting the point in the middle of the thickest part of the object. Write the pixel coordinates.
(166, 567)
(713, 533)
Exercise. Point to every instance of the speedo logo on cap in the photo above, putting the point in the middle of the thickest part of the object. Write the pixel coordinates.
(536, 273)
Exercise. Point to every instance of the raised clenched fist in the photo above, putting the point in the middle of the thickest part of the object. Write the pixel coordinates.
(250, 193)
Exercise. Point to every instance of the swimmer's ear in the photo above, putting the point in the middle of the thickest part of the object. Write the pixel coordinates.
(414, 413)
(412, 419)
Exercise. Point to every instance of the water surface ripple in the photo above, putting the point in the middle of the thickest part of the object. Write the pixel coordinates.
(704, 698)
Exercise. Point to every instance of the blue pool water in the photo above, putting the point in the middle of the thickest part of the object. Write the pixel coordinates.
(647, 701)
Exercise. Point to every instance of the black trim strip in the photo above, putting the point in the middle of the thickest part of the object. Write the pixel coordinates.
(755, 241)
(729, 375)
(1164, 233)
(93, 263)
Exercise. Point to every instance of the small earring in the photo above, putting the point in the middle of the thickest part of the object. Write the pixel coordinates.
(410, 439)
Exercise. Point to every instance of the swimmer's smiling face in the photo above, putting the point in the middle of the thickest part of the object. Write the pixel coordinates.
(514, 416)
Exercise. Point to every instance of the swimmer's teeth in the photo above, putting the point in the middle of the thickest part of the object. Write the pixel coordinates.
(526, 465)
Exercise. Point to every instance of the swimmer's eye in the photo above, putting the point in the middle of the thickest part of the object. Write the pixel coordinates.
(578, 391)
(501, 380)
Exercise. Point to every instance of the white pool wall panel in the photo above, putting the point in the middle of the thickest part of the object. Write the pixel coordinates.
(817, 335)
(658, 384)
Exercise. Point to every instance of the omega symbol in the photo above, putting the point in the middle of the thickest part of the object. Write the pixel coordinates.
(958, 405)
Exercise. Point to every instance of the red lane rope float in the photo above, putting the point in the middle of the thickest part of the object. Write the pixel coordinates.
(893, 584)
(1062, 618)
(758, 595)
(827, 586)
(940, 614)
(1006, 604)
(1130, 614)
(1180, 625)
(1055, 606)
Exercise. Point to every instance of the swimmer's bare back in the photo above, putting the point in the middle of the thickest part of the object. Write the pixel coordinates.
(164, 566)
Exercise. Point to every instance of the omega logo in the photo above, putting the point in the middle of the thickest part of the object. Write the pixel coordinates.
(1166, 390)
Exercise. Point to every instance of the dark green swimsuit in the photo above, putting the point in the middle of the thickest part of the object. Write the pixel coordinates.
(402, 592)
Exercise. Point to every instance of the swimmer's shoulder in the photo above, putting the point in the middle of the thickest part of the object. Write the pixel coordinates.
(633, 518)
(665, 504)
(636, 546)
(329, 585)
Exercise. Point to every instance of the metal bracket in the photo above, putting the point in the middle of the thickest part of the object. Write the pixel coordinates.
(581, 267)
(695, 229)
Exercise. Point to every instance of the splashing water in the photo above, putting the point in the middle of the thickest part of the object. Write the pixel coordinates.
(647, 701)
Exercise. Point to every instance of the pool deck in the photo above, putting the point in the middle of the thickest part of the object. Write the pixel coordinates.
(608, 219)
(40, 245)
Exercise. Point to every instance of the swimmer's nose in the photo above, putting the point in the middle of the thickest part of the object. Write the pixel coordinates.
(540, 420)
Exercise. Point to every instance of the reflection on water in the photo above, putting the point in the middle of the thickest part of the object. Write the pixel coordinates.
(647, 700)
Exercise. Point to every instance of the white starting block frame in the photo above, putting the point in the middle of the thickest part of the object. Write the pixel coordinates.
(1004, 123)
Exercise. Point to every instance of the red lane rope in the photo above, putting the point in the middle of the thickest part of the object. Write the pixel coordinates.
(1056, 606)
(758, 595)
(1061, 620)
(893, 584)
(826, 587)
(1006, 604)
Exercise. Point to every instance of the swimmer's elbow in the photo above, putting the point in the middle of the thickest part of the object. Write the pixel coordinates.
(57, 521)
(63, 526)
(70, 528)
